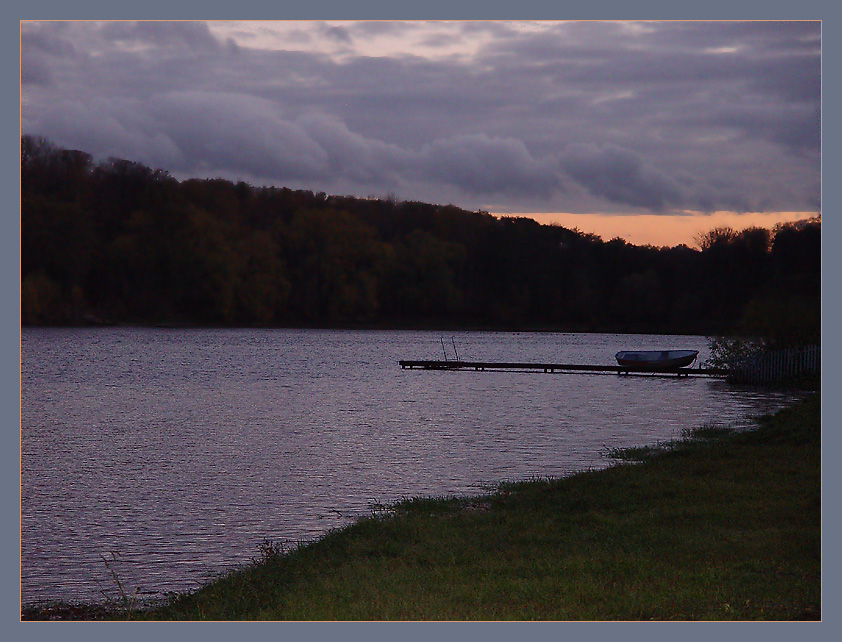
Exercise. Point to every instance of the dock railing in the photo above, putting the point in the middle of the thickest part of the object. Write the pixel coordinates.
(774, 366)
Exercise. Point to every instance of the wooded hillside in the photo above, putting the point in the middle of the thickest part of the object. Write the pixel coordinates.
(123, 243)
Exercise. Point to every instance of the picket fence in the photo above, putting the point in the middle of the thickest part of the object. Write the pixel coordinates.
(771, 366)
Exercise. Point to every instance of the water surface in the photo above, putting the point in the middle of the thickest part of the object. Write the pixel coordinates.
(167, 456)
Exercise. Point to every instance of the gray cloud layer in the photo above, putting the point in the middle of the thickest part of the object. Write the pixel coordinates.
(583, 117)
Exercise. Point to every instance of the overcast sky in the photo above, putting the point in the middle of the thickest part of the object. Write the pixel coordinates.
(654, 118)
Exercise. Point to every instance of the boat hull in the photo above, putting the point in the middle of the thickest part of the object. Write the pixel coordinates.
(656, 360)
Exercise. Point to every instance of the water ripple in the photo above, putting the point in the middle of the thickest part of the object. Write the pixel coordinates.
(167, 456)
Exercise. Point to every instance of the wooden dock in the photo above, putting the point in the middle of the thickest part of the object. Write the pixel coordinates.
(556, 367)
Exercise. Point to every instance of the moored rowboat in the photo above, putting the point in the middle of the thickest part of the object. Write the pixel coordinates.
(656, 360)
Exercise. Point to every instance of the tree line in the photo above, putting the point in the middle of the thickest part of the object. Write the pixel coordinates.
(119, 242)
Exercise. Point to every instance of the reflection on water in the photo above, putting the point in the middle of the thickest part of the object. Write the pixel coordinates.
(168, 456)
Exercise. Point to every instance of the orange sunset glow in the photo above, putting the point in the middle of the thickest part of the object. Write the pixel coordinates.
(665, 230)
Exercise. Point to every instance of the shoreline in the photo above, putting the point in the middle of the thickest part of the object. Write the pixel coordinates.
(374, 327)
(363, 551)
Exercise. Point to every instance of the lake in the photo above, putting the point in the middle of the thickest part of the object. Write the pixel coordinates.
(163, 458)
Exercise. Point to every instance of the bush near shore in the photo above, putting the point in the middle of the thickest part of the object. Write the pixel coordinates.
(720, 525)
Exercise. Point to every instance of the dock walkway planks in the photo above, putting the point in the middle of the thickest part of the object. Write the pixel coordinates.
(554, 367)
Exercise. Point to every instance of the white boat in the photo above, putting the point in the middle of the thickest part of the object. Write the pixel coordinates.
(656, 360)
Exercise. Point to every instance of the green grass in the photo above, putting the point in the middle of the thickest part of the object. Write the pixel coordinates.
(722, 525)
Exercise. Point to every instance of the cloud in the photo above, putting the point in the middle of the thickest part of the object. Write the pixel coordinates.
(797, 129)
(225, 134)
(338, 34)
(50, 39)
(229, 132)
(584, 116)
(621, 176)
(352, 156)
(34, 70)
(38, 49)
(480, 164)
(107, 127)
(381, 27)
(190, 35)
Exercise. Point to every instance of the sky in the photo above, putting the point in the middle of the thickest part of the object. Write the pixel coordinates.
(651, 131)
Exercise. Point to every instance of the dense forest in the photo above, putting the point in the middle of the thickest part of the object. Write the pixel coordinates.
(119, 242)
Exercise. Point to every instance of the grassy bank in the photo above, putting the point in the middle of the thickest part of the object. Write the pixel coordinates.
(720, 526)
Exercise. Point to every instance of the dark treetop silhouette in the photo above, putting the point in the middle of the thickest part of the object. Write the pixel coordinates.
(119, 242)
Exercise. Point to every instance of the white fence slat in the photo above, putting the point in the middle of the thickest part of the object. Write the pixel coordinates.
(776, 365)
